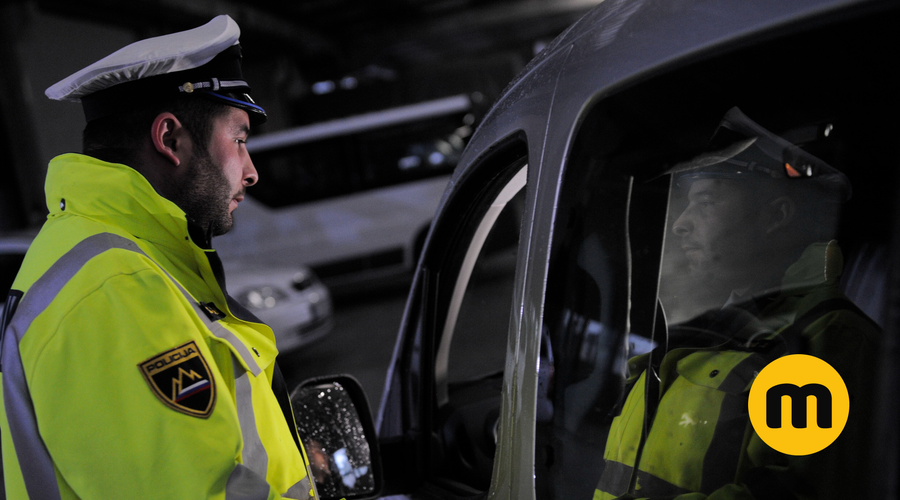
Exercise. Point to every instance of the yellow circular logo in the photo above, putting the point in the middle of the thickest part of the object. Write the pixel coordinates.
(799, 404)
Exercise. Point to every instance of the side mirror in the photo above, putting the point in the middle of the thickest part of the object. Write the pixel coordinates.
(338, 433)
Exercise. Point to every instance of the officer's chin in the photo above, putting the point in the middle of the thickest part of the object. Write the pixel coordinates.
(223, 226)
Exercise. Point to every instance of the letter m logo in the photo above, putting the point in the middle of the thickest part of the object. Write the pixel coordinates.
(798, 397)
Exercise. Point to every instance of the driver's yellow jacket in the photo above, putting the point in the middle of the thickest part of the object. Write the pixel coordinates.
(700, 442)
(127, 371)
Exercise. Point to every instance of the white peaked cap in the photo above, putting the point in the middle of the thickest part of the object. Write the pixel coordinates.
(204, 62)
(154, 56)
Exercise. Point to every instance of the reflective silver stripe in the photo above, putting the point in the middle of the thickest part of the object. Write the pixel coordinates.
(254, 453)
(244, 484)
(34, 459)
(299, 491)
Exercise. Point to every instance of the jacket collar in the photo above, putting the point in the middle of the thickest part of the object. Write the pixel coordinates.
(119, 196)
(116, 194)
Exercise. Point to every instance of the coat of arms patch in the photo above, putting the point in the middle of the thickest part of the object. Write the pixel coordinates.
(181, 379)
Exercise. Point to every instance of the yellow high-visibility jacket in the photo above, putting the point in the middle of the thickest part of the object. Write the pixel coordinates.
(125, 370)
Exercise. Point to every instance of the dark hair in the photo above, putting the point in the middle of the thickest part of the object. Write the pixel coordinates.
(117, 138)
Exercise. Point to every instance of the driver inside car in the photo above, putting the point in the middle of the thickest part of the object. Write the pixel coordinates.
(751, 274)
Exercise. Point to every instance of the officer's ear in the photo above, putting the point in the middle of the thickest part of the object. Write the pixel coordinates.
(170, 138)
(779, 213)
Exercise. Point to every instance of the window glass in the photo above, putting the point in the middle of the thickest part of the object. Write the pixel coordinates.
(479, 339)
(750, 273)
(471, 354)
(718, 224)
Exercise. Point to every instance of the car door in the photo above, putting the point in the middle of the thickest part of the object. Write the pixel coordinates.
(440, 413)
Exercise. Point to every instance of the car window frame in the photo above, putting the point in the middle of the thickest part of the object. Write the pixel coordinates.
(442, 357)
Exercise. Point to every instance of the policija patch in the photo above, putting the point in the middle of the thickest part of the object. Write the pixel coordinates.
(181, 379)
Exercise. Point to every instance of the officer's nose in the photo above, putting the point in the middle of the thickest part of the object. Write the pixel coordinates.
(251, 176)
(682, 225)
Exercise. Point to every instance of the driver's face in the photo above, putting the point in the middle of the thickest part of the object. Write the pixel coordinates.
(720, 231)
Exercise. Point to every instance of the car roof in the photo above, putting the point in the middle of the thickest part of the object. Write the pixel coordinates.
(620, 43)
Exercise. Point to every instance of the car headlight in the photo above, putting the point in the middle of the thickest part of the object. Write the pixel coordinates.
(303, 280)
(264, 297)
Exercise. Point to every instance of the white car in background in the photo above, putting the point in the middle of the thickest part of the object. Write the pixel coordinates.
(291, 300)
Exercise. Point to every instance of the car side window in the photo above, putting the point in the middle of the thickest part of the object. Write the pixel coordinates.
(479, 339)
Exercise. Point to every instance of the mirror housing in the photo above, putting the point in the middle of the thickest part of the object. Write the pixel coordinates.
(337, 431)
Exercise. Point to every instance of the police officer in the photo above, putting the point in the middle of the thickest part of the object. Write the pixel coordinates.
(127, 370)
(754, 238)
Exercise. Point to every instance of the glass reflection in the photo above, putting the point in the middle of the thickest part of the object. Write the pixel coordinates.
(750, 273)
(334, 440)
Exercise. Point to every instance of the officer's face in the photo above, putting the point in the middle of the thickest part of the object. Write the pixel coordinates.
(228, 151)
(219, 175)
(720, 231)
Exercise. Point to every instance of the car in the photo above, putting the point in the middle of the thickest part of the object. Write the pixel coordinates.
(290, 299)
(511, 365)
